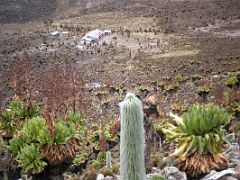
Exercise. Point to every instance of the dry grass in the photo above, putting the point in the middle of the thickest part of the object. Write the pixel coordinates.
(177, 53)
(198, 164)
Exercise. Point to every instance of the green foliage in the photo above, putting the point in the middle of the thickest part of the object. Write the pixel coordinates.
(27, 145)
(161, 84)
(6, 125)
(181, 78)
(31, 160)
(80, 158)
(157, 177)
(196, 77)
(204, 119)
(171, 87)
(44, 137)
(200, 129)
(145, 88)
(35, 131)
(21, 111)
(3, 144)
(16, 143)
(107, 132)
(76, 124)
(75, 117)
(101, 156)
(232, 80)
(30, 136)
(83, 156)
(203, 89)
(158, 126)
(96, 164)
(11, 119)
(97, 130)
(62, 133)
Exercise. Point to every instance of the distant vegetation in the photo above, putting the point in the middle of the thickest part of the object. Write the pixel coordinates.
(25, 10)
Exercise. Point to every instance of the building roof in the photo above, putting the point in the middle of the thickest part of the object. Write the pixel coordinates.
(54, 33)
(108, 31)
(95, 34)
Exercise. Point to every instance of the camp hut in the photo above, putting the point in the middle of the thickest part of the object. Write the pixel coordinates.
(92, 36)
(54, 34)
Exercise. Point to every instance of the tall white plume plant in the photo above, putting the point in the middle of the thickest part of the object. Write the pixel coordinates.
(132, 140)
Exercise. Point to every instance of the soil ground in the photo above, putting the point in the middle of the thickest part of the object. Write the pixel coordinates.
(153, 43)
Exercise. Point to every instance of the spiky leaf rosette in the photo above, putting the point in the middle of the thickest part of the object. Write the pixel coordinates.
(31, 160)
(35, 131)
(62, 133)
(199, 131)
(14, 117)
(132, 139)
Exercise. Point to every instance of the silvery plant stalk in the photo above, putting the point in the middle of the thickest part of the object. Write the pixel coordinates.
(132, 140)
(108, 159)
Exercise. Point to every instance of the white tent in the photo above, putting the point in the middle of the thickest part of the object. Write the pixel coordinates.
(55, 33)
(92, 36)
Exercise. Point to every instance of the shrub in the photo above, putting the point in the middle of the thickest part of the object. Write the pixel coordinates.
(115, 168)
(232, 80)
(62, 133)
(202, 126)
(157, 177)
(96, 164)
(80, 158)
(203, 89)
(75, 117)
(31, 160)
(35, 131)
(101, 156)
(199, 136)
(22, 112)
(107, 171)
(13, 118)
(34, 144)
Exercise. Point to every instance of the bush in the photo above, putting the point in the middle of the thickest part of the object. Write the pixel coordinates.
(62, 133)
(96, 164)
(35, 131)
(199, 136)
(107, 171)
(231, 81)
(157, 177)
(31, 160)
(200, 129)
(80, 158)
(34, 143)
(13, 118)
(101, 157)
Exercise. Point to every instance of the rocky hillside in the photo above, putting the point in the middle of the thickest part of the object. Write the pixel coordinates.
(177, 13)
(22, 10)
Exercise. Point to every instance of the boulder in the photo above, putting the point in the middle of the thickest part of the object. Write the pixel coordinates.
(217, 175)
(173, 173)
(100, 177)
